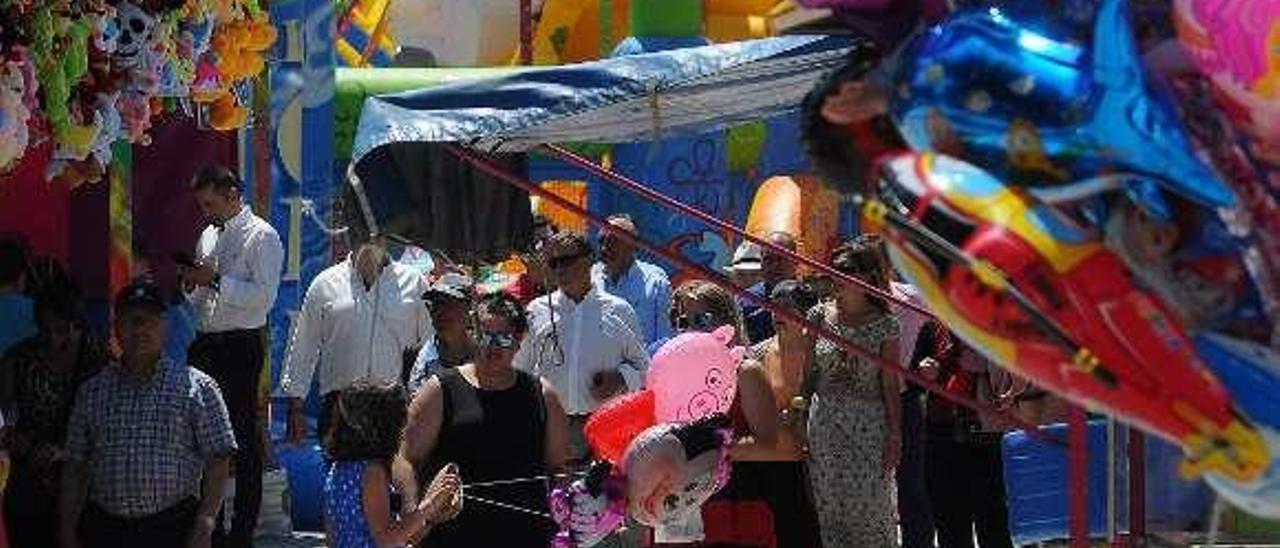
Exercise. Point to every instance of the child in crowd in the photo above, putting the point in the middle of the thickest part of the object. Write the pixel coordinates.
(357, 491)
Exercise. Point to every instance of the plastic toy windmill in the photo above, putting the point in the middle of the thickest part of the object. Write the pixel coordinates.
(1044, 298)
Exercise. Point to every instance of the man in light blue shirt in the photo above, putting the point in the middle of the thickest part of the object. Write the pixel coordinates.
(643, 285)
(16, 314)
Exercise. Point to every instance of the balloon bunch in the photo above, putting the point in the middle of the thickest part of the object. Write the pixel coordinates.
(664, 449)
(101, 71)
(1107, 234)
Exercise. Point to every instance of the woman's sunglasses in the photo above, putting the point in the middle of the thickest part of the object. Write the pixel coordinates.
(705, 321)
(501, 340)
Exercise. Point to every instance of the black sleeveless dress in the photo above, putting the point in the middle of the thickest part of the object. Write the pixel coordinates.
(493, 435)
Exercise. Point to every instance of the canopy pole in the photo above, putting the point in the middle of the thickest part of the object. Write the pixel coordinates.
(526, 32)
(659, 198)
(1078, 477)
(1137, 488)
(765, 303)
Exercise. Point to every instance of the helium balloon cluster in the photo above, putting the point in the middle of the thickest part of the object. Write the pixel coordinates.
(664, 450)
(1104, 221)
(85, 74)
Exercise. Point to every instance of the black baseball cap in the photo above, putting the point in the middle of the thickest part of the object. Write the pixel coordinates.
(140, 293)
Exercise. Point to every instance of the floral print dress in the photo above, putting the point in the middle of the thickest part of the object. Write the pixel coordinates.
(847, 429)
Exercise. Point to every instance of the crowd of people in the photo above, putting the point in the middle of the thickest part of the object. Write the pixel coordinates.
(133, 448)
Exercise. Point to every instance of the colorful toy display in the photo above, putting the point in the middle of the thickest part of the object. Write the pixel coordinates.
(86, 74)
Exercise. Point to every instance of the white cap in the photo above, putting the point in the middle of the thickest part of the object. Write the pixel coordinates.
(747, 258)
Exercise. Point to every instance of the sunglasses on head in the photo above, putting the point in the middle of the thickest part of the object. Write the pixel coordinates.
(564, 261)
(502, 340)
(705, 321)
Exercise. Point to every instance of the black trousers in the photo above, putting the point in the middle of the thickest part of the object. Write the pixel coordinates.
(30, 510)
(234, 359)
(913, 496)
(966, 490)
(169, 527)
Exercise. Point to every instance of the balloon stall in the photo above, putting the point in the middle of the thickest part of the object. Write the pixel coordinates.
(85, 75)
(1106, 233)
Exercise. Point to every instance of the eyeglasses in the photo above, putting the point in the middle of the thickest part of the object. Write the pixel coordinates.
(503, 340)
(705, 321)
(564, 261)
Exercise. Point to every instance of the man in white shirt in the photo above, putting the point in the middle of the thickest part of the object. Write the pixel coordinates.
(231, 283)
(358, 319)
(643, 285)
(584, 341)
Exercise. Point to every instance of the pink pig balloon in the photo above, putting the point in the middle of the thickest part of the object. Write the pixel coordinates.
(695, 375)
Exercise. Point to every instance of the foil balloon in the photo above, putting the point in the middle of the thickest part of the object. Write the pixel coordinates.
(1041, 111)
(671, 469)
(1260, 497)
(589, 509)
(1251, 372)
(1042, 296)
(1236, 43)
(695, 375)
(613, 426)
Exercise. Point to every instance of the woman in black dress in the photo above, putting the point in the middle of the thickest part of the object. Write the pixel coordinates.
(497, 424)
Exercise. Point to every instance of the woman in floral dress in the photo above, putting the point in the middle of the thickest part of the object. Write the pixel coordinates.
(854, 416)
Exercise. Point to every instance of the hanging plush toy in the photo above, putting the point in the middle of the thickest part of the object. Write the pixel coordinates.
(14, 114)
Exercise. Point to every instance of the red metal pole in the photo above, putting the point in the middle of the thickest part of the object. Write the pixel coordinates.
(658, 197)
(1078, 477)
(1137, 488)
(526, 32)
(722, 281)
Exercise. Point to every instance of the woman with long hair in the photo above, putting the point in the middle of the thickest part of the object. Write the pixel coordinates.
(854, 418)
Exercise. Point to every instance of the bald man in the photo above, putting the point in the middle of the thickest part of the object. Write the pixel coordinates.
(643, 285)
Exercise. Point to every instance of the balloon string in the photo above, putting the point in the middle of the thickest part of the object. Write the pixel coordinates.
(530, 479)
(506, 506)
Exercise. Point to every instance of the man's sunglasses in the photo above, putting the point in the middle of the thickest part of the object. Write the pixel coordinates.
(502, 340)
(705, 321)
(564, 261)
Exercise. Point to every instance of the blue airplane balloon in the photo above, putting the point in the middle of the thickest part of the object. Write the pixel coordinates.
(1045, 112)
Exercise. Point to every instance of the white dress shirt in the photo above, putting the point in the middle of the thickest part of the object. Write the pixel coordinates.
(569, 342)
(355, 333)
(247, 255)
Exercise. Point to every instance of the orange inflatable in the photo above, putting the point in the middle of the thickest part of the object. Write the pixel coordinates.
(801, 206)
